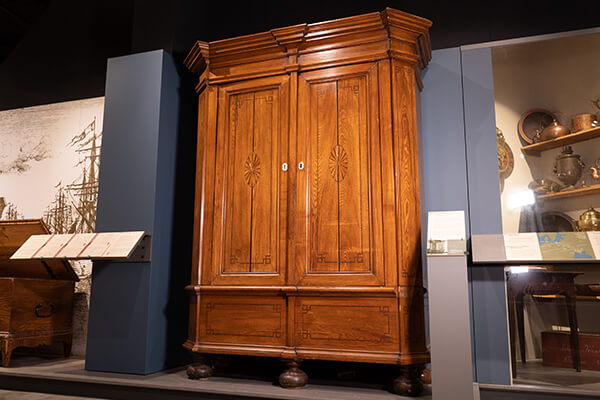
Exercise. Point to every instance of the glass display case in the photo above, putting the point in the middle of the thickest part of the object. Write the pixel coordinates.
(547, 104)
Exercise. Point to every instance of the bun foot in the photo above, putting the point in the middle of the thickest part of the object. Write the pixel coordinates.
(293, 377)
(409, 383)
(426, 376)
(199, 370)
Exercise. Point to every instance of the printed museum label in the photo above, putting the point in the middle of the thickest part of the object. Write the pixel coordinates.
(106, 245)
(522, 247)
(446, 232)
(552, 246)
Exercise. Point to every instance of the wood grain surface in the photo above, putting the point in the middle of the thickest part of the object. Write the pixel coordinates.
(306, 224)
(36, 297)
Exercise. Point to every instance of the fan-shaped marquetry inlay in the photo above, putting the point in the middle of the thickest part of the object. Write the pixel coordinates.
(252, 169)
(338, 163)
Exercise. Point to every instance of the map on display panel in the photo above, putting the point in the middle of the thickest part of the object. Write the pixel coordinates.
(565, 245)
(552, 246)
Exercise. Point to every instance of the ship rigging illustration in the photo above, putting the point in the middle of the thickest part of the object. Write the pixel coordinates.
(74, 207)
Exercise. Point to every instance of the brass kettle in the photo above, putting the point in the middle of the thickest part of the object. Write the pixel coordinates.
(589, 221)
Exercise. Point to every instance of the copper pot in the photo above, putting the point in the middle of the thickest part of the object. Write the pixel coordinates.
(589, 220)
(568, 166)
(553, 131)
(582, 122)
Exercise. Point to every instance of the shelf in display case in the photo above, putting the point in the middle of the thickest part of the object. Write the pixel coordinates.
(571, 193)
(536, 148)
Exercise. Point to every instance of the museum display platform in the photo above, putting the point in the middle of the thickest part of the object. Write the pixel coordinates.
(68, 376)
(61, 376)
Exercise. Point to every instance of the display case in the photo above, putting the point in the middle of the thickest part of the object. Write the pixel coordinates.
(547, 103)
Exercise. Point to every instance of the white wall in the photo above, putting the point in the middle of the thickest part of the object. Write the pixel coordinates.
(559, 75)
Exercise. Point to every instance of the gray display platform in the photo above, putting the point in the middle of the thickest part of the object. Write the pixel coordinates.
(450, 328)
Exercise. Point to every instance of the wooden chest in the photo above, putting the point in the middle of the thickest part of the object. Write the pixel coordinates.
(307, 231)
(36, 297)
(556, 350)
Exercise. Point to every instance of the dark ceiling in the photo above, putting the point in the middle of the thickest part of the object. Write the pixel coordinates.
(453, 25)
(16, 17)
(57, 50)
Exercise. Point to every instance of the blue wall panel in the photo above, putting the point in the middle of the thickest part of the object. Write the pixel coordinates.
(489, 312)
(443, 131)
(460, 172)
(443, 140)
(128, 323)
(480, 133)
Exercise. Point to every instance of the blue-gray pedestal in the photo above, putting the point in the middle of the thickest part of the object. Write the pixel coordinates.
(127, 329)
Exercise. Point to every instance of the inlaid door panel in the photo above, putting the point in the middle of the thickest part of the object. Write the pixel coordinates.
(357, 323)
(243, 319)
(250, 210)
(339, 206)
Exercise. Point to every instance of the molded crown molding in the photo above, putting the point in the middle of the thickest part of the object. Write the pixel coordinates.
(406, 35)
(197, 58)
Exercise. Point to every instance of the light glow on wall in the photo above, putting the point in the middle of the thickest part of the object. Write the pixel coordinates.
(519, 199)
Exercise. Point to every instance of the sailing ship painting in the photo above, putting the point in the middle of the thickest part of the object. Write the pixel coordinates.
(73, 209)
(49, 162)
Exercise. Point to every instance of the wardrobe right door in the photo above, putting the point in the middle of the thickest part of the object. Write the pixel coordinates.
(339, 233)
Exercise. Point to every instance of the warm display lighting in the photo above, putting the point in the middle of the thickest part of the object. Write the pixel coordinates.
(520, 199)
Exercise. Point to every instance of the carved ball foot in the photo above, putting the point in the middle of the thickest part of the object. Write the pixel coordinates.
(409, 383)
(293, 377)
(426, 376)
(199, 370)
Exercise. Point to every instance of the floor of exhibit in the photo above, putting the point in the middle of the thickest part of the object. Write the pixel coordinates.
(68, 377)
(534, 373)
(536, 381)
(62, 377)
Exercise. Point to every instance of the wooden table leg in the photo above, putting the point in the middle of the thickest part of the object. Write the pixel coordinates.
(574, 336)
(521, 325)
(6, 348)
(511, 324)
(67, 345)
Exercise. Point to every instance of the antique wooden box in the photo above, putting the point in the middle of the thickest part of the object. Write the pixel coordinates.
(307, 231)
(36, 297)
(556, 350)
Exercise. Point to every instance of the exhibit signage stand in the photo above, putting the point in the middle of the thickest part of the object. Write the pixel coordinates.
(107, 246)
(448, 294)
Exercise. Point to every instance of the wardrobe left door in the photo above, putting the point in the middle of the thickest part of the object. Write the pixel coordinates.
(250, 198)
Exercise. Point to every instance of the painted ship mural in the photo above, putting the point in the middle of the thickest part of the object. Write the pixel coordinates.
(73, 209)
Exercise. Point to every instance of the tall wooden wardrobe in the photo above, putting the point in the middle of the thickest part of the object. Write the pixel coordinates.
(306, 223)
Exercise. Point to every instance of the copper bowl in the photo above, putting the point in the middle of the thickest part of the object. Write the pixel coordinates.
(582, 122)
(553, 131)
